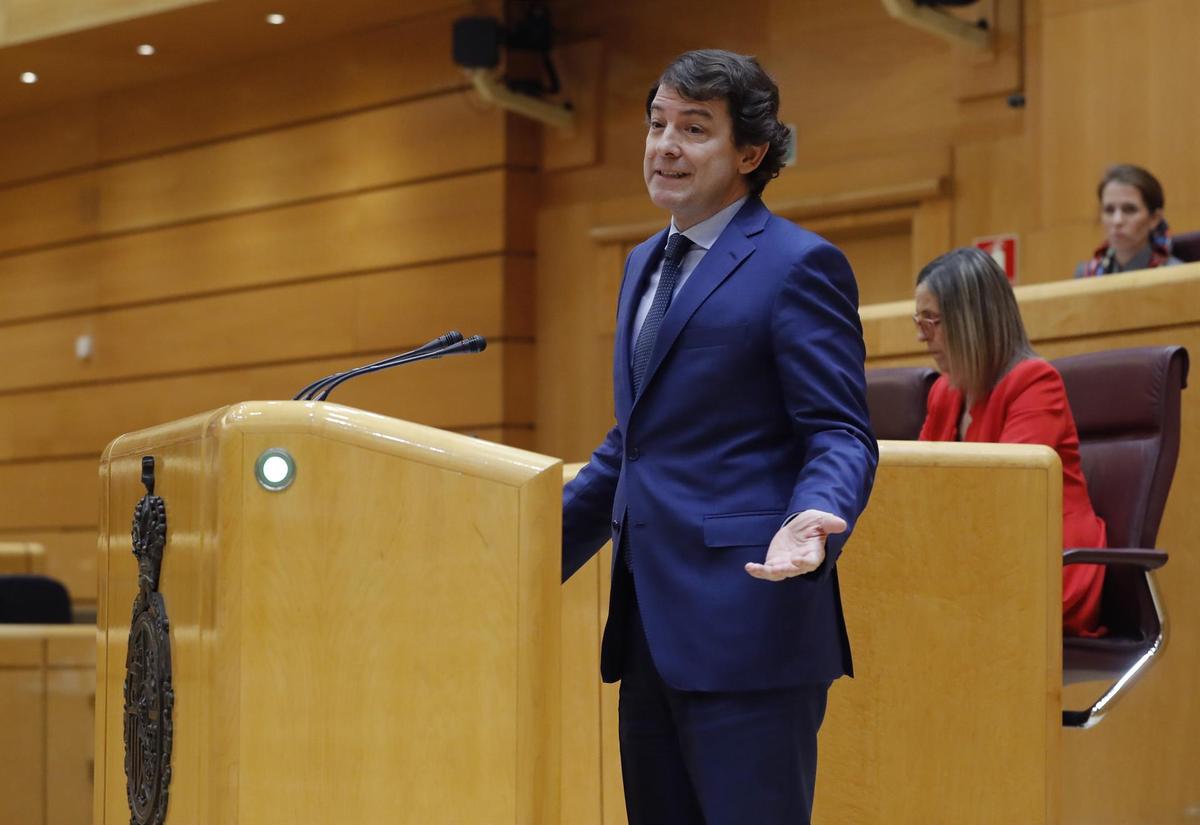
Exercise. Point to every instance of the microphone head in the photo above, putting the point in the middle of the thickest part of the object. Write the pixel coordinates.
(476, 343)
(451, 337)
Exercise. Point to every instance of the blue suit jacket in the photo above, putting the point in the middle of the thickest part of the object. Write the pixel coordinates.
(753, 407)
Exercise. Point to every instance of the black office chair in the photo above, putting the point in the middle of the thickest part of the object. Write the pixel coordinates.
(33, 600)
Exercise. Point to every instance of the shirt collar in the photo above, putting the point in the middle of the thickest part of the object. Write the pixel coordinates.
(705, 233)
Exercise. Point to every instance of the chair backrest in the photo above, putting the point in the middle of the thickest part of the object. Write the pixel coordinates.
(1186, 246)
(33, 600)
(1126, 405)
(896, 399)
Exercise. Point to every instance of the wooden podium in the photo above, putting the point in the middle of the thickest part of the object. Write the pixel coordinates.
(377, 641)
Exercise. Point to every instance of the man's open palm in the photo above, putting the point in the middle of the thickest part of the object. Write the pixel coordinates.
(798, 547)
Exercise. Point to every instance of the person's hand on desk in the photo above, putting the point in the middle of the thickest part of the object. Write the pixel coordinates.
(798, 547)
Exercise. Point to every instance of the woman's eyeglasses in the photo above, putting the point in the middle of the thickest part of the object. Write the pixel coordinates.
(927, 324)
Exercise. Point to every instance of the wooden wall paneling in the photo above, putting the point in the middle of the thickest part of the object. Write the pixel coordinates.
(381, 65)
(994, 192)
(1096, 112)
(571, 309)
(371, 67)
(56, 209)
(997, 71)
(880, 259)
(48, 494)
(903, 91)
(581, 69)
(412, 140)
(932, 234)
(66, 138)
(70, 557)
(308, 320)
(395, 227)
(462, 391)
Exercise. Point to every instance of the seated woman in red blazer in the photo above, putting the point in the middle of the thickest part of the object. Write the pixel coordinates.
(993, 387)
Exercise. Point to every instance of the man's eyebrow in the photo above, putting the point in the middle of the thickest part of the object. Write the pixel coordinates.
(695, 111)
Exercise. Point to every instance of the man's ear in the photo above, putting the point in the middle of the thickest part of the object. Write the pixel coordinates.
(750, 157)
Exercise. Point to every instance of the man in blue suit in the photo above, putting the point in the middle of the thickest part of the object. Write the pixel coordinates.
(740, 459)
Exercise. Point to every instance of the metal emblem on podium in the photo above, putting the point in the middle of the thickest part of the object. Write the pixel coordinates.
(149, 697)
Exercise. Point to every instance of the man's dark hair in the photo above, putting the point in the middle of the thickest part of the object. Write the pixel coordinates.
(752, 96)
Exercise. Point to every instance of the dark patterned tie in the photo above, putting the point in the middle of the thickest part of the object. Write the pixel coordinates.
(677, 247)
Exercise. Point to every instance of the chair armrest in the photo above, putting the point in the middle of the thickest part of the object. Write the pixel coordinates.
(1134, 556)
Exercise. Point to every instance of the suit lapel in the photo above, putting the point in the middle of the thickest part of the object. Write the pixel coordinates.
(726, 255)
(641, 261)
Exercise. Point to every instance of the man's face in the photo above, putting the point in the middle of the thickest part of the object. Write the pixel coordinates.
(692, 167)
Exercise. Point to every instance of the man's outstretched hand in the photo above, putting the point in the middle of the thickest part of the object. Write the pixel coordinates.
(798, 547)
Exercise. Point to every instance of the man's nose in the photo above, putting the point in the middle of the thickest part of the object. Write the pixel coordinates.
(668, 144)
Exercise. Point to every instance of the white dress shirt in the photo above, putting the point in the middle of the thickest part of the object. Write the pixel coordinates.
(703, 235)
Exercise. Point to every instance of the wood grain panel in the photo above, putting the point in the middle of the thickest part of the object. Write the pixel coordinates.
(993, 184)
(371, 67)
(70, 694)
(48, 494)
(47, 680)
(424, 138)
(67, 138)
(22, 759)
(375, 230)
(299, 321)
(455, 392)
(881, 262)
(1099, 112)
(70, 557)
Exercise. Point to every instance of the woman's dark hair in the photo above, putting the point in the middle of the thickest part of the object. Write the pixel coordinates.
(752, 96)
(984, 332)
(1139, 179)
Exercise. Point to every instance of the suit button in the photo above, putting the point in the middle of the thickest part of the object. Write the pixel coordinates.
(634, 454)
(616, 524)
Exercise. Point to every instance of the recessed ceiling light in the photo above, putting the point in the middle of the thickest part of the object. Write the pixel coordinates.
(145, 50)
(276, 19)
(29, 77)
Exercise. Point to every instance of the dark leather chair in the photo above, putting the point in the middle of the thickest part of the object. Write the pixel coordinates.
(1128, 444)
(1186, 246)
(896, 400)
(33, 600)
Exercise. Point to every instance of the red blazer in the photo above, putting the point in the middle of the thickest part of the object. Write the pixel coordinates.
(1029, 406)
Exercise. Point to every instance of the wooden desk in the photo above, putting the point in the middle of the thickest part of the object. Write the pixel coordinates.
(21, 557)
(951, 587)
(1131, 768)
(47, 697)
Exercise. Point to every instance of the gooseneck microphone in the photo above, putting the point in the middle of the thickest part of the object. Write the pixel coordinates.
(450, 344)
(468, 346)
(442, 341)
